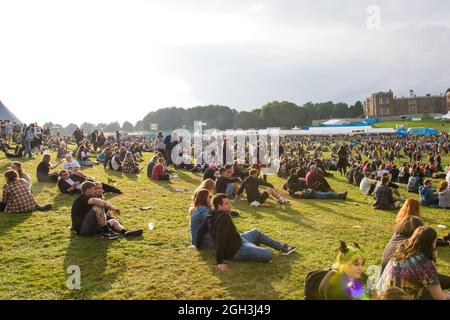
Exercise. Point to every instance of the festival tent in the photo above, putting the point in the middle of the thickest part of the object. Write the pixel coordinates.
(6, 114)
(447, 116)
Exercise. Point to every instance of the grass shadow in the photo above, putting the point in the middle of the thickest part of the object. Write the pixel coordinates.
(10, 220)
(90, 255)
(251, 280)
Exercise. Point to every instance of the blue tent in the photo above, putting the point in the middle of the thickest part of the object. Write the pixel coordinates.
(371, 121)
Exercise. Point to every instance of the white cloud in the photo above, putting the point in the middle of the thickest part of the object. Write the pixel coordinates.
(102, 61)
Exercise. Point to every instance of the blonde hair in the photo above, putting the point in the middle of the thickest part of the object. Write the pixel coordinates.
(207, 184)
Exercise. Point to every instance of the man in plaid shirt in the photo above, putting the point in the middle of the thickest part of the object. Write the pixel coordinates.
(17, 196)
(384, 198)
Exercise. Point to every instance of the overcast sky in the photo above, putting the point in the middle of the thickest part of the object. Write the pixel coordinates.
(101, 61)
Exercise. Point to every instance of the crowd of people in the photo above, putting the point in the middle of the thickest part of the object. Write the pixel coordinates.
(377, 165)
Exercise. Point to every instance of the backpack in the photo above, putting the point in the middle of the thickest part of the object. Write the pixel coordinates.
(312, 284)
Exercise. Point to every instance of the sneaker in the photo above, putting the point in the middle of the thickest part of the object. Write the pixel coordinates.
(44, 208)
(255, 204)
(287, 250)
(344, 195)
(133, 233)
(110, 235)
(234, 213)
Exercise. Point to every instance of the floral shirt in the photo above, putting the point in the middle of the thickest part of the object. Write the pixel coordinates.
(412, 275)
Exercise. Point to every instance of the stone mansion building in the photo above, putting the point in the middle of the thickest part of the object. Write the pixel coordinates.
(385, 104)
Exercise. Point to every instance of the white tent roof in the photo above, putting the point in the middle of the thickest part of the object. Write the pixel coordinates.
(447, 116)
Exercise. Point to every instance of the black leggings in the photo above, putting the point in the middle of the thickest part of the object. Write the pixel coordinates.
(111, 189)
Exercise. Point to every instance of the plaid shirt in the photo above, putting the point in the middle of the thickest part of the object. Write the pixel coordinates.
(18, 197)
(383, 198)
(129, 166)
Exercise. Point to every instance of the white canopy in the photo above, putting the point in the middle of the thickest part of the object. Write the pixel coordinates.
(447, 116)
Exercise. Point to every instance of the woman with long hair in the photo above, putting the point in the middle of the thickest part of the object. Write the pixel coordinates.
(444, 195)
(43, 169)
(17, 166)
(83, 157)
(412, 268)
(207, 184)
(198, 213)
(411, 207)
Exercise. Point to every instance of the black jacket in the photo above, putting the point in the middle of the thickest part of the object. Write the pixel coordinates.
(224, 233)
(251, 185)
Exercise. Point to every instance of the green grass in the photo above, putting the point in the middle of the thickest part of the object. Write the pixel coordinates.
(36, 249)
(436, 124)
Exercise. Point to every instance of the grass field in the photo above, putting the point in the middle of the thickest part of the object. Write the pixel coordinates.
(436, 124)
(37, 249)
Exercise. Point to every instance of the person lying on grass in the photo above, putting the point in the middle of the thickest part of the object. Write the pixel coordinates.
(91, 215)
(71, 183)
(231, 245)
(254, 197)
(17, 196)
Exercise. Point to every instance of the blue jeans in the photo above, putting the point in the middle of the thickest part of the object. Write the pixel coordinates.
(326, 195)
(250, 250)
(229, 191)
(27, 151)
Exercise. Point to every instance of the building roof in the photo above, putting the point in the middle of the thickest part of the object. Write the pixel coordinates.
(6, 114)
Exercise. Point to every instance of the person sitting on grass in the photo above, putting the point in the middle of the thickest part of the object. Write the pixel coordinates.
(403, 230)
(211, 172)
(152, 163)
(62, 150)
(92, 215)
(17, 166)
(198, 213)
(115, 164)
(230, 245)
(346, 280)
(17, 196)
(71, 164)
(444, 195)
(367, 185)
(427, 194)
(43, 170)
(254, 197)
(225, 183)
(414, 182)
(412, 268)
(158, 172)
(82, 156)
(129, 164)
(384, 199)
(315, 180)
(207, 184)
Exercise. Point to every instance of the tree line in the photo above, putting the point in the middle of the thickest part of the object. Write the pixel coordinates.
(282, 114)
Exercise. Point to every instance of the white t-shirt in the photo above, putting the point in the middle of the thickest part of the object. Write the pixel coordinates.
(72, 183)
(71, 165)
(114, 164)
(447, 177)
(365, 185)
